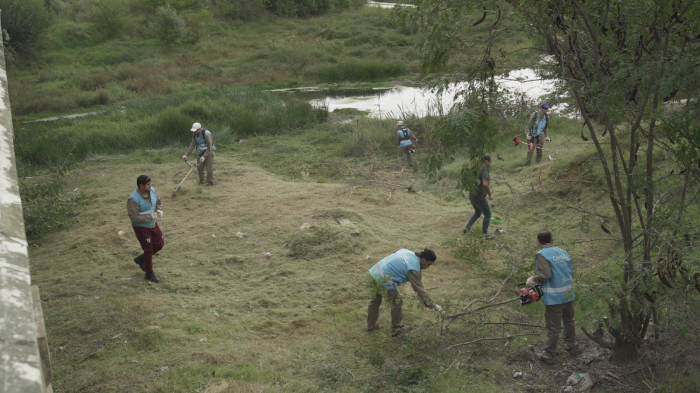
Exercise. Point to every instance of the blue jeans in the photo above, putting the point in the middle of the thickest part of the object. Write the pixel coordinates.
(480, 207)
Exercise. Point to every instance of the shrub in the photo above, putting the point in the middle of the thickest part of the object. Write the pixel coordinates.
(25, 21)
(246, 10)
(168, 26)
(112, 18)
(45, 207)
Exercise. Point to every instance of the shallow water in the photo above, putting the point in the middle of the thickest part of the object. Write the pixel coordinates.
(400, 101)
(387, 5)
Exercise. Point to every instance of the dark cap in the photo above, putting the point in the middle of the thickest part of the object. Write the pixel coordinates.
(142, 180)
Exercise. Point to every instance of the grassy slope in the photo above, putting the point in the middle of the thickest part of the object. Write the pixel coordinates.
(296, 322)
(76, 70)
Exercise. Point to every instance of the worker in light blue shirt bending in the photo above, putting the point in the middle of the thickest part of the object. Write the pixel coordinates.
(402, 266)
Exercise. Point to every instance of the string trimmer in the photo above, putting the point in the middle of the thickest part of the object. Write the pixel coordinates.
(192, 166)
(517, 141)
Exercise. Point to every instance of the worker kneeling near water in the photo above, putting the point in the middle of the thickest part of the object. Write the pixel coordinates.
(399, 267)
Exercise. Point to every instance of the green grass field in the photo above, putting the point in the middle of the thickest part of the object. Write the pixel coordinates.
(226, 318)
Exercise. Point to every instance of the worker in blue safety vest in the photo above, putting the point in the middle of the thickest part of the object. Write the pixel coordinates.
(203, 140)
(402, 266)
(537, 133)
(555, 275)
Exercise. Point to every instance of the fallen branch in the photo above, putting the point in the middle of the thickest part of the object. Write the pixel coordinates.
(489, 339)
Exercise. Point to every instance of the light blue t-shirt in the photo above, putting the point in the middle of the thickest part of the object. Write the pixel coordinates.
(405, 136)
(396, 266)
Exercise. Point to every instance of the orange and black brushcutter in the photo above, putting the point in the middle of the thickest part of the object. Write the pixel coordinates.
(529, 295)
(517, 141)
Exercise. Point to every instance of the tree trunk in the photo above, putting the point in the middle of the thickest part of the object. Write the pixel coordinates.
(624, 351)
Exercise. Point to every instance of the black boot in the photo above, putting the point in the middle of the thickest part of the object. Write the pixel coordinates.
(151, 276)
(139, 261)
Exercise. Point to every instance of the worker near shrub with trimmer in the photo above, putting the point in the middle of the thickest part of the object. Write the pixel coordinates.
(537, 133)
(477, 197)
(203, 140)
(402, 266)
(404, 144)
(144, 207)
(555, 275)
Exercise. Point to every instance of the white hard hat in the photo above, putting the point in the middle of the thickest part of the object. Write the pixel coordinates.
(195, 127)
(400, 123)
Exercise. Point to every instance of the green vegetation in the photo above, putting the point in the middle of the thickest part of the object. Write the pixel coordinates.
(232, 114)
(228, 319)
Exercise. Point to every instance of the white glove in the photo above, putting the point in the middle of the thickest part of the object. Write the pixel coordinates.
(531, 282)
(547, 139)
(201, 159)
(160, 213)
(439, 310)
(183, 158)
(528, 136)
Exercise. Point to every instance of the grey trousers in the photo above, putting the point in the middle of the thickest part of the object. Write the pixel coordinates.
(396, 310)
(403, 150)
(209, 165)
(538, 142)
(553, 317)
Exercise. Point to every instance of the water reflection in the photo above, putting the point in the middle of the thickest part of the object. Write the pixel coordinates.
(399, 101)
(387, 5)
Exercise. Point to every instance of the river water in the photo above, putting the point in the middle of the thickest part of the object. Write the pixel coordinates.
(401, 101)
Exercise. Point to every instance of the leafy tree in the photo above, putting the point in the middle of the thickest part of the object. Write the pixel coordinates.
(168, 26)
(623, 64)
(24, 21)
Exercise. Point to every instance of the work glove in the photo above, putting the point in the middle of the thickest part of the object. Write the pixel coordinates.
(547, 139)
(528, 136)
(160, 213)
(201, 159)
(184, 158)
(531, 282)
(438, 309)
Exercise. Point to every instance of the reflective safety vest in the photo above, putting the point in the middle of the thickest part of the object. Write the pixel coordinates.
(404, 137)
(559, 289)
(202, 142)
(539, 124)
(145, 208)
(395, 268)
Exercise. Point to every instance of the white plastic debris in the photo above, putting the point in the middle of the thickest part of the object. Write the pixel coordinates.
(240, 234)
(203, 340)
(120, 233)
(369, 258)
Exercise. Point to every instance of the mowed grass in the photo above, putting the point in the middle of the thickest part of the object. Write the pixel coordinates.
(228, 319)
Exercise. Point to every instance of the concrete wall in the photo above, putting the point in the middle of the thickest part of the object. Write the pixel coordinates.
(20, 360)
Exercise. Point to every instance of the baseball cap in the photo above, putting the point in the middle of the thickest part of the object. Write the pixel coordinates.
(545, 106)
(400, 123)
(195, 127)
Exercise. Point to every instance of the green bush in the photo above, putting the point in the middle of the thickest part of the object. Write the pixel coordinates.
(112, 19)
(168, 26)
(44, 206)
(246, 10)
(25, 21)
(361, 72)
